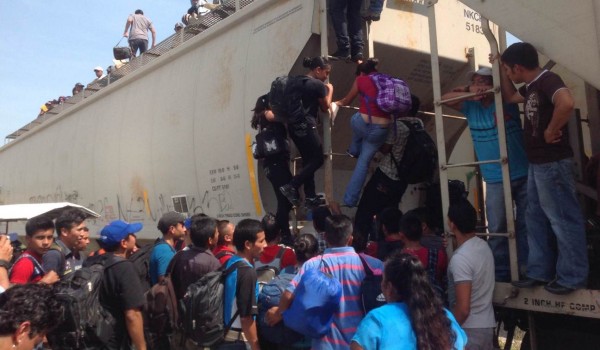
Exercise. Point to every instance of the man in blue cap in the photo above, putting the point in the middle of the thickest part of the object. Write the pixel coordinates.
(120, 294)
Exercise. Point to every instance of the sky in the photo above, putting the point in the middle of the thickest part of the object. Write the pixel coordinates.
(48, 46)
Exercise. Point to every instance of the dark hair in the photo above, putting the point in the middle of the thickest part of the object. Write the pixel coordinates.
(271, 228)
(390, 219)
(246, 230)
(368, 66)
(427, 315)
(221, 227)
(69, 218)
(359, 242)
(201, 230)
(410, 226)
(415, 105)
(38, 223)
(319, 215)
(523, 54)
(423, 214)
(139, 12)
(306, 246)
(338, 229)
(463, 215)
(315, 62)
(36, 303)
(261, 106)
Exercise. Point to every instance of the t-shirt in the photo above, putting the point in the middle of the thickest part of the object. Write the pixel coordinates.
(539, 107)
(162, 253)
(139, 27)
(313, 90)
(387, 246)
(63, 261)
(241, 292)
(473, 262)
(189, 266)
(441, 266)
(368, 95)
(389, 327)
(119, 292)
(225, 256)
(27, 268)
(345, 265)
(484, 132)
(270, 252)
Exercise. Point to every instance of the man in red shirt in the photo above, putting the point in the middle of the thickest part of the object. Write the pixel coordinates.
(274, 254)
(28, 268)
(225, 248)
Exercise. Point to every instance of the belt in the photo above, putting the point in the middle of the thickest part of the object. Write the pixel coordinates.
(233, 335)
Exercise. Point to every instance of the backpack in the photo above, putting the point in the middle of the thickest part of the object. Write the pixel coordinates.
(316, 299)
(38, 270)
(393, 94)
(86, 325)
(202, 308)
(432, 259)
(223, 253)
(141, 263)
(269, 296)
(370, 288)
(269, 143)
(285, 98)
(161, 309)
(265, 272)
(419, 160)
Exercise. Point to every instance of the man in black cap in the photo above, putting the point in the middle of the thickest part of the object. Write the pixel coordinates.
(173, 229)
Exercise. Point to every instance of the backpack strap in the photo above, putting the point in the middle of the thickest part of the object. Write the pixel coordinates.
(279, 255)
(432, 258)
(368, 270)
(223, 253)
(36, 265)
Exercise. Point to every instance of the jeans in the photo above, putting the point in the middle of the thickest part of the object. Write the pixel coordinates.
(496, 215)
(277, 170)
(380, 192)
(556, 233)
(347, 23)
(366, 140)
(376, 7)
(308, 143)
(136, 44)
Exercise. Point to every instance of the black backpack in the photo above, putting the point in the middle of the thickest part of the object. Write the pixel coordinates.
(285, 98)
(141, 263)
(201, 309)
(419, 160)
(87, 325)
(370, 288)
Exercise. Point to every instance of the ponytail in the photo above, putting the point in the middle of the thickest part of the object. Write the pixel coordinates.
(315, 62)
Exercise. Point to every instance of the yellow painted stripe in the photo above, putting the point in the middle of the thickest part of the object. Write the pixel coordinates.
(252, 176)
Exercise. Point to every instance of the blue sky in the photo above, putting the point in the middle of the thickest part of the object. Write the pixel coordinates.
(48, 46)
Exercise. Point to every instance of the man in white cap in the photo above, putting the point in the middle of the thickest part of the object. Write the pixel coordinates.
(480, 111)
(99, 72)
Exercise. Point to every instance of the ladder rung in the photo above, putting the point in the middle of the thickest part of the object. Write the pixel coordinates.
(457, 98)
(458, 165)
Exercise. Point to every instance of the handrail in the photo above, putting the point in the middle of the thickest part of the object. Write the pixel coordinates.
(194, 28)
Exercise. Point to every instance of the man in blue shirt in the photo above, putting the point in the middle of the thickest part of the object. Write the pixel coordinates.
(480, 112)
(173, 229)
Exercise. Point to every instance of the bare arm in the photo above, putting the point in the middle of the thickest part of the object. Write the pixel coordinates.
(127, 25)
(325, 102)
(274, 315)
(6, 253)
(350, 96)
(249, 329)
(456, 92)
(153, 35)
(135, 328)
(462, 308)
(269, 115)
(355, 346)
(563, 109)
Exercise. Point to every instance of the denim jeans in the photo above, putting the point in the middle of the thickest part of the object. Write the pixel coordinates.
(557, 243)
(376, 7)
(366, 140)
(308, 143)
(496, 216)
(140, 44)
(347, 23)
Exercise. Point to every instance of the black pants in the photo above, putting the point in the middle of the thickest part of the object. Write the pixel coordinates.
(308, 143)
(278, 172)
(380, 192)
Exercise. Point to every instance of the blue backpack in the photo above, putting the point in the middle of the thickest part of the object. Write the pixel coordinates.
(269, 297)
(316, 299)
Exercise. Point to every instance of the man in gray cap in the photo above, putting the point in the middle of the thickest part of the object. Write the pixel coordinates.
(173, 229)
(480, 111)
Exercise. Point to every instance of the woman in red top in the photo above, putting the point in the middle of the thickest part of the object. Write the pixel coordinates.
(369, 128)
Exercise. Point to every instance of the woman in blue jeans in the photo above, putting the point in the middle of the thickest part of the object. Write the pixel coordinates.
(369, 128)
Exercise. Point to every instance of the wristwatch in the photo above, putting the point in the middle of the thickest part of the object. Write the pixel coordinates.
(5, 264)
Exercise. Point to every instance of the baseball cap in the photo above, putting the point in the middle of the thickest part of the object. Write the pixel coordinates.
(178, 25)
(113, 233)
(169, 219)
(98, 68)
(483, 71)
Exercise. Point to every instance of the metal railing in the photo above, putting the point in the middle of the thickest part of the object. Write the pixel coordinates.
(194, 28)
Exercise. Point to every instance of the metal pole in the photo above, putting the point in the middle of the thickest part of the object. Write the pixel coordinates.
(439, 121)
(508, 204)
(328, 165)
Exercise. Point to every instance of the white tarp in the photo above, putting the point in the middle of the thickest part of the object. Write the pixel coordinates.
(17, 212)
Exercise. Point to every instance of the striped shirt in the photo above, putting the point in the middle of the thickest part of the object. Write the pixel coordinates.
(345, 265)
(398, 141)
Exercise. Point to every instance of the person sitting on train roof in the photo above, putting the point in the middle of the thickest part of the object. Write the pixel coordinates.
(480, 112)
(556, 232)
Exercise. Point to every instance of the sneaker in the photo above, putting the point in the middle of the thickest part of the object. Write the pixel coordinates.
(358, 58)
(556, 288)
(291, 194)
(528, 283)
(341, 55)
(313, 202)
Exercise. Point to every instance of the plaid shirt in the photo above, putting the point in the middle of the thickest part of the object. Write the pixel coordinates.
(398, 142)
